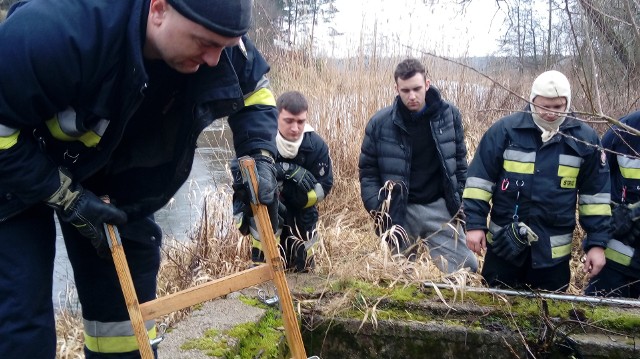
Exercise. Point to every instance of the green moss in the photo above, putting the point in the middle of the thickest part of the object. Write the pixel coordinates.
(263, 339)
(615, 320)
(260, 339)
(198, 306)
(211, 344)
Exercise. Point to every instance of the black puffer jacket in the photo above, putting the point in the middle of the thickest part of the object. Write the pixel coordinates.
(386, 156)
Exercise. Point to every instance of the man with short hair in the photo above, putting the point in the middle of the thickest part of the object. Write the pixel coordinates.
(305, 173)
(417, 147)
(108, 98)
(620, 276)
(529, 171)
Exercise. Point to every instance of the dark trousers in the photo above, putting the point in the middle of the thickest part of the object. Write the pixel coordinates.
(500, 273)
(27, 327)
(613, 283)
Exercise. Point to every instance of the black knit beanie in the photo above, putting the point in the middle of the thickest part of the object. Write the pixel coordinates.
(230, 18)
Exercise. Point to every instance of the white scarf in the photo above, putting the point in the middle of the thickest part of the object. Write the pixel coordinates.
(289, 149)
(549, 129)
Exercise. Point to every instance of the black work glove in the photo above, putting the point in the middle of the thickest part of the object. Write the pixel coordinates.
(267, 195)
(621, 222)
(85, 211)
(296, 174)
(510, 244)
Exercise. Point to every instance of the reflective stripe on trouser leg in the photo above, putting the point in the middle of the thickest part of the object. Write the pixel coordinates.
(115, 337)
(100, 292)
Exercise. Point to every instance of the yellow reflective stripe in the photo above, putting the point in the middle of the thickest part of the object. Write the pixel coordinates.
(566, 171)
(617, 257)
(256, 243)
(518, 167)
(476, 193)
(9, 141)
(261, 97)
(561, 251)
(89, 139)
(121, 344)
(594, 210)
(630, 173)
(312, 199)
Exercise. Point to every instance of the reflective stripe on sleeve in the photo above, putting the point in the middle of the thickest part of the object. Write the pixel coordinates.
(478, 188)
(629, 167)
(619, 252)
(598, 198)
(314, 196)
(594, 210)
(263, 96)
(560, 245)
(9, 140)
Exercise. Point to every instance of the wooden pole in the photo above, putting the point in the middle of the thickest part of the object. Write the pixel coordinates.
(129, 291)
(272, 254)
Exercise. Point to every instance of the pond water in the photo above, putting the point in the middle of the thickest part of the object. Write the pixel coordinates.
(180, 215)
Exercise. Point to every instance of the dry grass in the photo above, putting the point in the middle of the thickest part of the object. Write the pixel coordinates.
(343, 95)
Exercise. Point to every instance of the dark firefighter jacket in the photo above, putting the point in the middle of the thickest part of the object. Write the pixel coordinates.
(625, 185)
(386, 156)
(512, 169)
(313, 155)
(67, 99)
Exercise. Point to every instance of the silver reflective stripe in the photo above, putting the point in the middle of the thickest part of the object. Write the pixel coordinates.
(571, 161)
(518, 156)
(101, 127)
(67, 122)
(112, 329)
(620, 247)
(628, 162)
(560, 240)
(477, 182)
(262, 83)
(598, 198)
(6, 131)
(319, 192)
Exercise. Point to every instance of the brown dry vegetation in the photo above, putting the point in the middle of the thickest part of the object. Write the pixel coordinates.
(343, 95)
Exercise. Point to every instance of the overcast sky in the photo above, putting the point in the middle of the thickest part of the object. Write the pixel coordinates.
(443, 29)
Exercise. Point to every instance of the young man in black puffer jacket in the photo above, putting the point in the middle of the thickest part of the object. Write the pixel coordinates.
(415, 149)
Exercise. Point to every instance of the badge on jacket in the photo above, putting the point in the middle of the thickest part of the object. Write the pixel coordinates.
(603, 158)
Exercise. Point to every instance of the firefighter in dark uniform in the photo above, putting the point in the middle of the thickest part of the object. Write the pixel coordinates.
(305, 174)
(528, 171)
(108, 97)
(620, 276)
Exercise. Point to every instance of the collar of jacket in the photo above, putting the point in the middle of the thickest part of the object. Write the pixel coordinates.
(433, 100)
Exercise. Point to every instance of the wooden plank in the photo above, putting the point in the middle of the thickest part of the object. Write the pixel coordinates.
(130, 296)
(272, 254)
(206, 291)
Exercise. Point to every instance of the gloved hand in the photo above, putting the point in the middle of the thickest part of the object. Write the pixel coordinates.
(85, 211)
(621, 222)
(267, 195)
(510, 242)
(296, 174)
